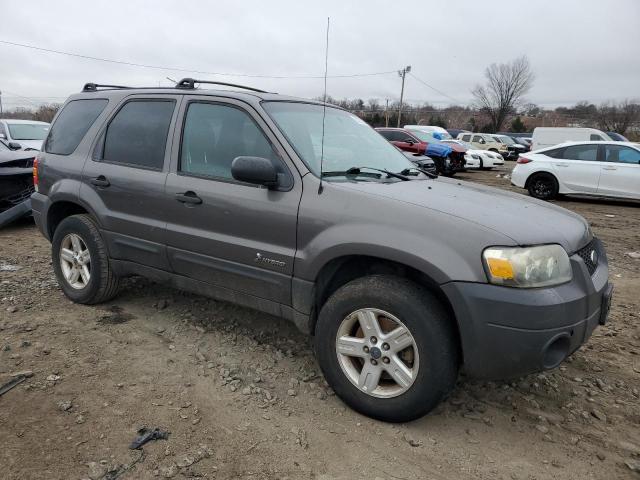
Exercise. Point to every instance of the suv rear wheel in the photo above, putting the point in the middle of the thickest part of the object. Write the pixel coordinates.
(81, 263)
(393, 357)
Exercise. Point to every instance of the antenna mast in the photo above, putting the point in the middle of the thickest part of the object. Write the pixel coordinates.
(324, 104)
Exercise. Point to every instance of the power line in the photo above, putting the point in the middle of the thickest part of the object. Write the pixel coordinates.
(435, 89)
(175, 69)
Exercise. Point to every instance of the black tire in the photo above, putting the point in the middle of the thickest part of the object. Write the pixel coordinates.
(103, 283)
(431, 327)
(543, 186)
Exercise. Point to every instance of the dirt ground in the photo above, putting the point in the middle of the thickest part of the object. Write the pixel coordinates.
(242, 395)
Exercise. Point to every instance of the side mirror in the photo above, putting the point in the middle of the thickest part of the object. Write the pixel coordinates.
(14, 146)
(3, 136)
(256, 170)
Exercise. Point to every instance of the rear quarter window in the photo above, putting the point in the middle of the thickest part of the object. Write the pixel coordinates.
(72, 124)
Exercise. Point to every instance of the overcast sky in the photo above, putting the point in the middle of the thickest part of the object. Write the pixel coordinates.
(579, 50)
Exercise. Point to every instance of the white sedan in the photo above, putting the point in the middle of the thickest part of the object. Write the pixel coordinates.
(479, 158)
(609, 169)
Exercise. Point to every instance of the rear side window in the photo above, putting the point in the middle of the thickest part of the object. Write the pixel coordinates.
(555, 153)
(137, 135)
(581, 152)
(72, 124)
(595, 138)
(466, 138)
(385, 133)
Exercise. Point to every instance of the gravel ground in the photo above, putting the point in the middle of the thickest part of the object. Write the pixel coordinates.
(242, 396)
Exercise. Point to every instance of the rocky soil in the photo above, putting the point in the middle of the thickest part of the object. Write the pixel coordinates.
(242, 396)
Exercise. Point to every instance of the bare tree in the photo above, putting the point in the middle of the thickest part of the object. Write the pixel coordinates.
(506, 84)
(618, 117)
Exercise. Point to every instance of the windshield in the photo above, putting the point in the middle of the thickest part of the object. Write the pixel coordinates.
(424, 136)
(28, 131)
(348, 140)
(507, 140)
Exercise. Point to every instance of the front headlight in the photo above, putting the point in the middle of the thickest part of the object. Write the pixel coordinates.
(527, 267)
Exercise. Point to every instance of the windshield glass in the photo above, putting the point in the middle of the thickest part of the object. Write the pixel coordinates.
(348, 140)
(28, 131)
(424, 136)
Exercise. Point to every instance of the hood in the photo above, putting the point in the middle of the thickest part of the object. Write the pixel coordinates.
(438, 150)
(525, 220)
(18, 162)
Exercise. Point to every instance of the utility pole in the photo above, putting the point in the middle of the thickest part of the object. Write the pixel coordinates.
(402, 73)
(386, 114)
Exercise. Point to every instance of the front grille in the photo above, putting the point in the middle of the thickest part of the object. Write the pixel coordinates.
(589, 255)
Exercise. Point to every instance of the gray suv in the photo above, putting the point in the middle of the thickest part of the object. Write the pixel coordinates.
(301, 210)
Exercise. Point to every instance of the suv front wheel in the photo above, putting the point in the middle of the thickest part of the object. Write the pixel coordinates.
(392, 357)
(81, 263)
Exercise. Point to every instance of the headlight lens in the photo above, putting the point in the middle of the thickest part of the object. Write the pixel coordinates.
(527, 267)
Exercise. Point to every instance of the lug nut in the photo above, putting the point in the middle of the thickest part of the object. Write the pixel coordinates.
(374, 361)
(385, 359)
(374, 340)
(366, 349)
(385, 346)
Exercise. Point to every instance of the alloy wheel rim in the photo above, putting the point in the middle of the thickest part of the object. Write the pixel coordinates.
(377, 353)
(75, 261)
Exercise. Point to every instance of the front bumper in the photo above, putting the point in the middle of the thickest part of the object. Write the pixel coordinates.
(508, 332)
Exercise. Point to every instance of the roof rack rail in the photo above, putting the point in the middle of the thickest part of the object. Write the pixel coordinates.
(93, 87)
(190, 84)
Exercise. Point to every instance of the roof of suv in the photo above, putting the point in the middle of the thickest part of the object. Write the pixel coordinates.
(246, 95)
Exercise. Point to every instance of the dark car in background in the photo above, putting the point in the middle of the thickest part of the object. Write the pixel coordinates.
(449, 159)
(616, 137)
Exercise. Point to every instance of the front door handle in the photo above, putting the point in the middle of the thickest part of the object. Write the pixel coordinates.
(609, 168)
(562, 164)
(189, 197)
(100, 181)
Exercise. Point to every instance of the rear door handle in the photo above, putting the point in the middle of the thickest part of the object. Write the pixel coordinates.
(609, 168)
(100, 181)
(562, 164)
(189, 197)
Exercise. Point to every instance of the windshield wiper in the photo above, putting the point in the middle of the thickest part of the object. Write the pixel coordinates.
(357, 171)
(428, 174)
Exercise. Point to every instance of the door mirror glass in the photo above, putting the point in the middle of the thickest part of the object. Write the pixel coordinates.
(256, 170)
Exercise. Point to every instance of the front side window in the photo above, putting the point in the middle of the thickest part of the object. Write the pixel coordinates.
(348, 141)
(214, 135)
(137, 135)
(478, 139)
(620, 154)
(581, 152)
(72, 124)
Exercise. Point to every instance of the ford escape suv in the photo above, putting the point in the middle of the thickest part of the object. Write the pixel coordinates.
(303, 211)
